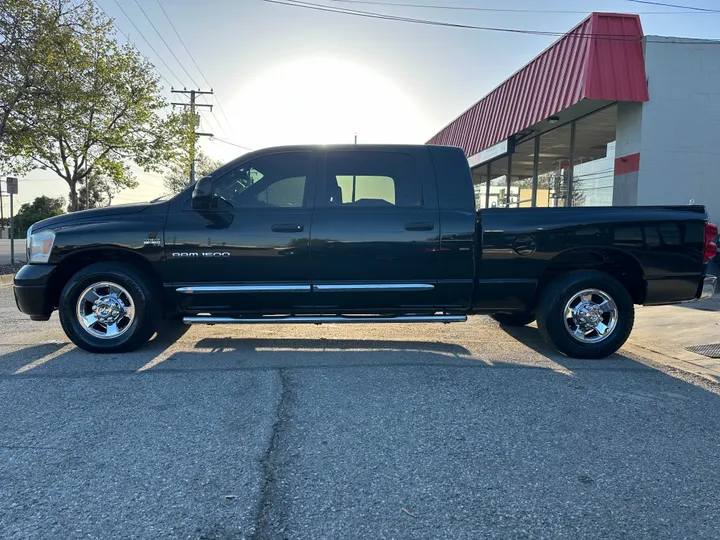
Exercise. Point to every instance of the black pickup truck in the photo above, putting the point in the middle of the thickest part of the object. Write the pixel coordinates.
(359, 234)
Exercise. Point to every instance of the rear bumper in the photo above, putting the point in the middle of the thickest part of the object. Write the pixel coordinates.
(32, 290)
(707, 287)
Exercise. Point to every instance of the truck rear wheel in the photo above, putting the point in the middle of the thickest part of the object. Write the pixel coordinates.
(514, 318)
(586, 314)
(109, 308)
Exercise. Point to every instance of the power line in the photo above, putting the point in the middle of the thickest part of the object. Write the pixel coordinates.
(144, 39)
(217, 121)
(382, 16)
(183, 43)
(218, 124)
(131, 43)
(187, 50)
(222, 111)
(166, 45)
(231, 143)
(492, 10)
(663, 4)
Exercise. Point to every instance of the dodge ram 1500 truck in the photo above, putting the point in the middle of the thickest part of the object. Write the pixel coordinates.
(359, 234)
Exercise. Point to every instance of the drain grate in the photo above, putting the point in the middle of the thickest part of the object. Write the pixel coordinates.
(711, 351)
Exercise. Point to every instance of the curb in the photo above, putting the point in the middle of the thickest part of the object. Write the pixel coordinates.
(6, 280)
(684, 364)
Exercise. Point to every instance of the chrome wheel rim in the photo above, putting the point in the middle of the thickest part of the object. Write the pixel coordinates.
(105, 310)
(590, 316)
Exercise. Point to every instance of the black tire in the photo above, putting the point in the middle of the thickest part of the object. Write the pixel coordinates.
(144, 297)
(551, 317)
(514, 318)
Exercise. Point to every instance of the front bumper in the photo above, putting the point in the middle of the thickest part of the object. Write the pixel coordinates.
(32, 290)
(707, 288)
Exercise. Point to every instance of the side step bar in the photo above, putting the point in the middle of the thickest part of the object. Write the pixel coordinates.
(325, 320)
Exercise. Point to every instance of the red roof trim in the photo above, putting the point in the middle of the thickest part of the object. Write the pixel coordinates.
(601, 58)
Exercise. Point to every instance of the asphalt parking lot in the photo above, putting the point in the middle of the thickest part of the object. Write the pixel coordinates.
(422, 431)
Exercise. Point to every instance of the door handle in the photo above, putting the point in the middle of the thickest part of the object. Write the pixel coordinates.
(419, 226)
(287, 227)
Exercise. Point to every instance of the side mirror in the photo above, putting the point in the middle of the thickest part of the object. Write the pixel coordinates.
(202, 194)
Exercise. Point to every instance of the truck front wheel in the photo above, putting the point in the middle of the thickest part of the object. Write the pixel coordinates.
(586, 314)
(109, 308)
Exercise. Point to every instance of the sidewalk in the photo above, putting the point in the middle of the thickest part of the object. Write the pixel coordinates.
(667, 330)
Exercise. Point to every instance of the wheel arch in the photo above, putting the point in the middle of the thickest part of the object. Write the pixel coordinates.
(72, 264)
(618, 263)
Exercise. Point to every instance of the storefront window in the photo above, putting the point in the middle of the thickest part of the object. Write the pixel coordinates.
(498, 183)
(521, 181)
(581, 152)
(594, 159)
(480, 184)
(554, 167)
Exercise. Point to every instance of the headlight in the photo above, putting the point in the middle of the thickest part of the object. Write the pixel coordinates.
(39, 246)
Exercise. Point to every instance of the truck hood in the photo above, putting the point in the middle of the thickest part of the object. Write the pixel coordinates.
(85, 216)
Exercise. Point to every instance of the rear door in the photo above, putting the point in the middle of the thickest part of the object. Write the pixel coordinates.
(375, 234)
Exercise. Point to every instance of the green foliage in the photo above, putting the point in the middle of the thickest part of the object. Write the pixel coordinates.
(178, 178)
(30, 31)
(98, 107)
(41, 208)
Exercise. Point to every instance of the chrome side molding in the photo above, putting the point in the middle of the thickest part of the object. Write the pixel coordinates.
(219, 289)
(359, 319)
(377, 287)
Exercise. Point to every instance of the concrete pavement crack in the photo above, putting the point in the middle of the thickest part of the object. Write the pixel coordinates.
(270, 462)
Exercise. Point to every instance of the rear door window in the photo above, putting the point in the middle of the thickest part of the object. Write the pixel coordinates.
(371, 179)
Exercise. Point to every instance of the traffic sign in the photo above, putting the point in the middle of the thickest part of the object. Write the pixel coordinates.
(12, 185)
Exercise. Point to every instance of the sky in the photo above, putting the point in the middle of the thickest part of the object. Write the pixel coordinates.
(288, 75)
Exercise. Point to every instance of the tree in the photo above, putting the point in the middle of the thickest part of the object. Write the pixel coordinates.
(41, 208)
(30, 35)
(100, 110)
(95, 192)
(178, 178)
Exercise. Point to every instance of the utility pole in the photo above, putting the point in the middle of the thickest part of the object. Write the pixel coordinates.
(193, 122)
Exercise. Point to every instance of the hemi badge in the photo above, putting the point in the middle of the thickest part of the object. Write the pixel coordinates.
(152, 242)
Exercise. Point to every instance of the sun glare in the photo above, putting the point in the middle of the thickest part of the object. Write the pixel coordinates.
(325, 101)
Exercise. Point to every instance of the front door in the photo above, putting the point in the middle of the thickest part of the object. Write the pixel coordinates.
(250, 252)
(376, 234)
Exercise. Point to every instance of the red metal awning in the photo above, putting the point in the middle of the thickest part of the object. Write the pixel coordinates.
(600, 59)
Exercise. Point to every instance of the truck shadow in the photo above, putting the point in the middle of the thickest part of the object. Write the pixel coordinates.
(167, 352)
(530, 336)
(319, 344)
